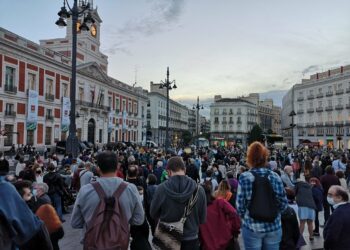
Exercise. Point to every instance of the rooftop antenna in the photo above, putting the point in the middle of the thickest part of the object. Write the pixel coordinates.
(135, 77)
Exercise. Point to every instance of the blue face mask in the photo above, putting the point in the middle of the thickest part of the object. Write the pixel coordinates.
(35, 192)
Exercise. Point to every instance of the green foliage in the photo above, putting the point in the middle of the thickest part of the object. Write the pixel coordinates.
(256, 134)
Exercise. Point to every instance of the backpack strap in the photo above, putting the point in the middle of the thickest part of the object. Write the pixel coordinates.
(99, 190)
(191, 203)
(120, 190)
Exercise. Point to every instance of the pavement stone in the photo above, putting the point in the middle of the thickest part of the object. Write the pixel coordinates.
(71, 239)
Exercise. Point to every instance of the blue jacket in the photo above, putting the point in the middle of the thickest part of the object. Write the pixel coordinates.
(317, 194)
(20, 223)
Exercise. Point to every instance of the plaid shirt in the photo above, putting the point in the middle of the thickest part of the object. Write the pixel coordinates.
(244, 194)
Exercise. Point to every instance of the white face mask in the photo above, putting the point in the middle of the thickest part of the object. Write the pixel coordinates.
(330, 201)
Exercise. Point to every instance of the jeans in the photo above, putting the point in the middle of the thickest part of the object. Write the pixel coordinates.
(57, 203)
(261, 241)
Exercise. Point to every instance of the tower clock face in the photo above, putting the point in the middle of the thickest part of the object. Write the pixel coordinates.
(93, 30)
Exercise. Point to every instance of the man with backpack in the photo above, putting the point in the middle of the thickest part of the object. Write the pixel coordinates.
(105, 208)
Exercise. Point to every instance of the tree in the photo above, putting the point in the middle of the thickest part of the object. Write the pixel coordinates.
(256, 134)
(186, 137)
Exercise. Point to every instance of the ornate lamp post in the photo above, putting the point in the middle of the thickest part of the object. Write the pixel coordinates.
(292, 125)
(169, 85)
(84, 10)
(197, 107)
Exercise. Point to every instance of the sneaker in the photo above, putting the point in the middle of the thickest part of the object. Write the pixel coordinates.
(316, 234)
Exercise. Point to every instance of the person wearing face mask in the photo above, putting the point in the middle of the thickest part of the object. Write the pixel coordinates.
(287, 177)
(337, 230)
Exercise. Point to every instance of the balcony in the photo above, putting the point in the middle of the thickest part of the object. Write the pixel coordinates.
(309, 125)
(339, 124)
(300, 98)
(310, 110)
(348, 106)
(329, 93)
(10, 113)
(339, 107)
(216, 122)
(216, 113)
(329, 108)
(348, 90)
(339, 92)
(239, 113)
(328, 123)
(49, 97)
(319, 95)
(319, 124)
(224, 122)
(239, 122)
(300, 111)
(49, 117)
(10, 89)
(319, 109)
(230, 122)
(309, 97)
(224, 113)
(92, 105)
(230, 113)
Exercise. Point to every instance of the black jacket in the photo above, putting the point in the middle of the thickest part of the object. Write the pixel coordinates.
(303, 193)
(290, 229)
(55, 183)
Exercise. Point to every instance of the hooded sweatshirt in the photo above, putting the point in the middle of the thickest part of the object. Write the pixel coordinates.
(170, 200)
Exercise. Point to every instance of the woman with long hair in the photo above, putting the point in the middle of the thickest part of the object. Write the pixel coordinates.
(317, 194)
(224, 192)
(258, 232)
(222, 225)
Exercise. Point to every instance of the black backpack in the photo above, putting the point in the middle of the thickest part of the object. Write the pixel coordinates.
(263, 204)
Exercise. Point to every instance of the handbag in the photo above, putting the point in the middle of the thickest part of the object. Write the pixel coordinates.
(168, 235)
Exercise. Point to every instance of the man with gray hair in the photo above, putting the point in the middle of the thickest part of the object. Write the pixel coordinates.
(287, 176)
(337, 229)
(40, 195)
(86, 174)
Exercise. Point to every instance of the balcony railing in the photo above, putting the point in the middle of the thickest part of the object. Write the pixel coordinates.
(92, 105)
(310, 110)
(224, 122)
(10, 113)
(319, 109)
(10, 89)
(239, 122)
(339, 91)
(300, 98)
(339, 124)
(348, 90)
(319, 124)
(239, 113)
(330, 93)
(230, 122)
(300, 111)
(49, 117)
(216, 122)
(329, 108)
(339, 107)
(319, 95)
(309, 97)
(230, 113)
(49, 97)
(329, 123)
(224, 113)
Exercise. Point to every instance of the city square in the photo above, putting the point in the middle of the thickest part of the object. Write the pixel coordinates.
(121, 121)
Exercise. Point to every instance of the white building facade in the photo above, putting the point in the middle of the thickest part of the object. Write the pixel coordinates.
(231, 119)
(156, 119)
(322, 107)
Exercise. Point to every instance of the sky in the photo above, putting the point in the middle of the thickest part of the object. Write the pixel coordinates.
(225, 47)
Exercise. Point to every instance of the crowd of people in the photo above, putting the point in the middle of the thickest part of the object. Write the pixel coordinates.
(205, 198)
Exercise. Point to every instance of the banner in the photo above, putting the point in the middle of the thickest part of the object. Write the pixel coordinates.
(124, 127)
(110, 121)
(65, 114)
(32, 110)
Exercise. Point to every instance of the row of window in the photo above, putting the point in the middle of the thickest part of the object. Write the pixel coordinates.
(329, 103)
(324, 131)
(9, 128)
(337, 88)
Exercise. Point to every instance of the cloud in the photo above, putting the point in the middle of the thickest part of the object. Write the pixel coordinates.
(310, 69)
(162, 17)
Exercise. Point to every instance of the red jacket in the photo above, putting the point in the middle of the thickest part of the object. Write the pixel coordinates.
(221, 225)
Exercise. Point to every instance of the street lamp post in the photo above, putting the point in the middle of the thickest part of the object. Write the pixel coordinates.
(292, 125)
(75, 12)
(169, 85)
(197, 107)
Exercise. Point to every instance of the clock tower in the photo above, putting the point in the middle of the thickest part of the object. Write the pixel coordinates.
(88, 42)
